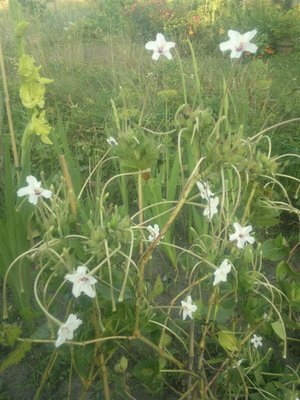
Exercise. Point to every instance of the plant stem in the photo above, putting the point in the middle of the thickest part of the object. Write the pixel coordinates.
(46, 375)
(141, 214)
(69, 183)
(8, 112)
(146, 256)
(203, 338)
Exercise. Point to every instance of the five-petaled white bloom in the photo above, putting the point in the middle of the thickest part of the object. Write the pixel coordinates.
(242, 235)
(160, 47)
(33, 190)
(66, 331)
(256, 340)
(212, 208)
(204, 190)
(188, 308)
(112, 141)
(154, 232)
(239, 42)
(221, 273)
(82, 282)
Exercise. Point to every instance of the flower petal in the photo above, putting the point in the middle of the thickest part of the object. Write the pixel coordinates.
(24, 191)
(47, 193)
(169, 45)
(235, 36)
(251, 47)
(246, 37)
(160, 39)
(155, 55)
(250, 239)
(168, 55)
(32, 181)
(33, 199)
(237, 227)
(73, 322)
(151, 45)
(224, 46)
(235, 54)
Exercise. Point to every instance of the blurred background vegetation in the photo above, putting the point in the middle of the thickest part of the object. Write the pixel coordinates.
(95, 52)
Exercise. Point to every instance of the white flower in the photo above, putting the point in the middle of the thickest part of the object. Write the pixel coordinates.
(212, 208)
(221, 273)
(188, 308)
(82, 282)
(242, 235)
(112, 141)
(66, 331)
(33, 190)
(154, 232)
(257, 341)
(239, 42)
(160, 47)
(204, 190)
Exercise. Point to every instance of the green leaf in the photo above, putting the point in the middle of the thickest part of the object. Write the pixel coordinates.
(158, 288)
(265, 217)
(15, 356)
(121, 365)
(42, 332)
(146, 371)
(279, 329)
(285, 271)
(9, 334)
(228, 341)
(275, 249)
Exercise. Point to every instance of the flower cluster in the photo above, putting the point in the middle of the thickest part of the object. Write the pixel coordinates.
(32, 93)
(83, 282)
(154, 232)
(237, 44)
(212, 207)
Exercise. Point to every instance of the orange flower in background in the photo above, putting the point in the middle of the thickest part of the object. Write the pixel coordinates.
(269, 50)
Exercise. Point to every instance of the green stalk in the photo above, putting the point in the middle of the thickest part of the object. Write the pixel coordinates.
(211, 303)
(8, 113)
(46, 374)
(141, 214)
(146, 256)
(182, 79)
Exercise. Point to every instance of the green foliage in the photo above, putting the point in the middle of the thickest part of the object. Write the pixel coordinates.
(105, 197)
(275, 249)
(9, 334)
(15, 356)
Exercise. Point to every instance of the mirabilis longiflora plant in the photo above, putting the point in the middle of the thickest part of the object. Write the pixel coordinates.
(223, 311)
